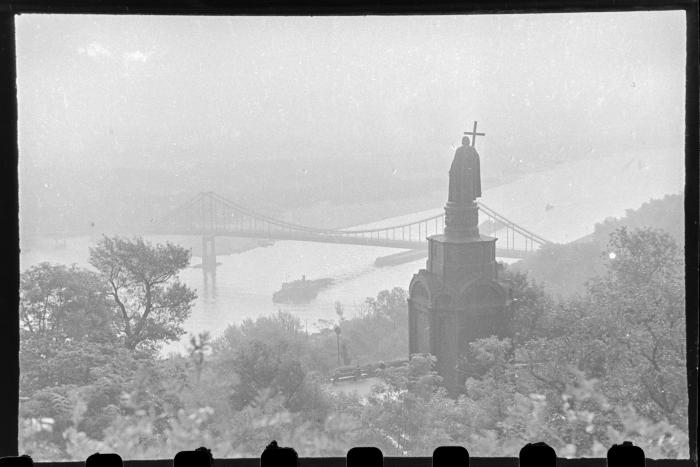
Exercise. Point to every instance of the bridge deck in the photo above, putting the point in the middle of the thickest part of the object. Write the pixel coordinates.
(317, 238)
(209, 214)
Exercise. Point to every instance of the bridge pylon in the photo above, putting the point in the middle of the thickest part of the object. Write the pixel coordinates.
(209, 253)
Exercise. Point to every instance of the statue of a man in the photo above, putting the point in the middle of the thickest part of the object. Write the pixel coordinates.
(465, 175)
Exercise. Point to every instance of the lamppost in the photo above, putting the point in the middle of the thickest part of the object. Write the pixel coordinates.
(337, 338)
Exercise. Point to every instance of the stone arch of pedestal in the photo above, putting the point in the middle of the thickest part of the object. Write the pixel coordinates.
(483, 303)
(481, 292)
(420, 321)
(419, 290)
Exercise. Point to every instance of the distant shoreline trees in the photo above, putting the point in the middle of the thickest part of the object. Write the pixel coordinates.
(563, 269)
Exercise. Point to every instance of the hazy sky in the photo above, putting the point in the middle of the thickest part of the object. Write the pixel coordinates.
(105, 91)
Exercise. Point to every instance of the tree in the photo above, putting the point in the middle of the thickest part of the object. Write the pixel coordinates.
(390, 304)
(66, 326)
(143, 284)
(627, 331)
(531, 314)
(260, 368)
(381, 331)
(643, 298)
(71, 356)
(408, 413)
(59, 303)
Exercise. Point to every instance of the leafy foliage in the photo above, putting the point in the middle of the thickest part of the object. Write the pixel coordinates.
(380, 333)
(579, 373)
(142, 282)
(60, 303)
(642, 300)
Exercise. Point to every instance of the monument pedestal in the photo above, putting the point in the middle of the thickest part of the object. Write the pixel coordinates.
(457, 299)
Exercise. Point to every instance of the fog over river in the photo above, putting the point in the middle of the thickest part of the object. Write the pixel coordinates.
(595, 189)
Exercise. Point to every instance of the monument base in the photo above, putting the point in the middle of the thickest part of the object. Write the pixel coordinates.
(456, 300)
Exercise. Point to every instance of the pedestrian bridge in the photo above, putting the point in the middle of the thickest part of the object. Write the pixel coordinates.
(211, 215)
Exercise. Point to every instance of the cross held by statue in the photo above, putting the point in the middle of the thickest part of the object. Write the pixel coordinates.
(474, 134)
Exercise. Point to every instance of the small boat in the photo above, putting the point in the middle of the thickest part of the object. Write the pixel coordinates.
(300, 291)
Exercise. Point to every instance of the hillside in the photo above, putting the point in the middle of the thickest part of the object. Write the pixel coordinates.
(563, 269)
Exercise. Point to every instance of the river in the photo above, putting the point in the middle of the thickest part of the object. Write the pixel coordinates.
(561, 204)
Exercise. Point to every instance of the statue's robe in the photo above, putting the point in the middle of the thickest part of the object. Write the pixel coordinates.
(465, 176)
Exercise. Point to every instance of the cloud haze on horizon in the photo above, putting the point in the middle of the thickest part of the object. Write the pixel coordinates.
(163, 92)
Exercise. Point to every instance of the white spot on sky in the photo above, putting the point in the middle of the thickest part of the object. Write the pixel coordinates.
(612, 255)
(136, 56)
(95, 49)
